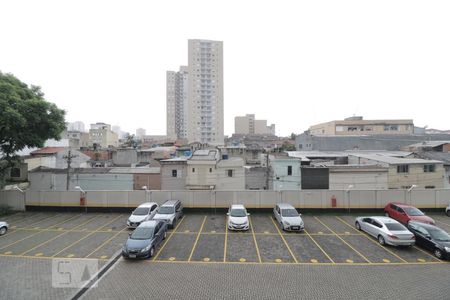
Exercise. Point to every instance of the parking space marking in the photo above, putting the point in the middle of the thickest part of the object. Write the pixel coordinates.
(284, 240)
(18, 241)
(86, 236)
(443, 223)
(105, 242)
(351, 247)
(321, 249)
(254, 238)
(370, 239)
(40, 221)
(167, 240)
(54, 238)
(196, 240)
(429, 254)
(226, 240)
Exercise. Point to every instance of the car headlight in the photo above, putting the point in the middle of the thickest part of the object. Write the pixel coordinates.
(146, 248)
(447, 249)
(124, 248)
(287, 223)
(128, 222)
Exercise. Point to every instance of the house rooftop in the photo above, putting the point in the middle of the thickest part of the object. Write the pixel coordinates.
(48, 150)
(396, 160)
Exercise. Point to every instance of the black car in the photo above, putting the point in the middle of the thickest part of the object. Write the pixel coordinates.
(144, 239)
(431, 238)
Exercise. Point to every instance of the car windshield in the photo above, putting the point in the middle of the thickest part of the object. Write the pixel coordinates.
(395, 227)
(142, 233)
(141, 211)
(412, 211)
(238, 212)
(289, 213)
(166, 210)
(439, 235)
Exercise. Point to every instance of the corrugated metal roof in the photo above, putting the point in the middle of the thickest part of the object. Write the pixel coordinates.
(396, 160)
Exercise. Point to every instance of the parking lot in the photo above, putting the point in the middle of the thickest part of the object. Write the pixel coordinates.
(63, 235)
(201, 242)
(327, 239)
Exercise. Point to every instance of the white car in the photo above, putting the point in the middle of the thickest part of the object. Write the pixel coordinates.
(143, 212)
(447, 210)
(288, 217)
(386, 230)
(3, 228)
(237, 217)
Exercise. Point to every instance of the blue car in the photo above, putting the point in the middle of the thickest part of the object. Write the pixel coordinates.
(144, 239)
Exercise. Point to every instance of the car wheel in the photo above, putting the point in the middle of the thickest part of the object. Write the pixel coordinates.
(152, 251)
(447, 213)
(357, 226)
(381, 240)
(174, 223)
(165, 235)
(438, 253)
(3, 230)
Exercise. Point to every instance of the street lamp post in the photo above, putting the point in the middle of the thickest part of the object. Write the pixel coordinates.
(350, 186)
(15, 187)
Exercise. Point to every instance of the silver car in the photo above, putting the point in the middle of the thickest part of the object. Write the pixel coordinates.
(144, 212)
(288, 217)
(386, 230)
(3, 228)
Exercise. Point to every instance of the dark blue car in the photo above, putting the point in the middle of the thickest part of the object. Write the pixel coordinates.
(144, 239)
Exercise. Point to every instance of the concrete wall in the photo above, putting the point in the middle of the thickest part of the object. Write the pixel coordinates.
(359, 180)
(45, 181)
(14, 199)
(416, 176)
(168, 182)
(438, 198)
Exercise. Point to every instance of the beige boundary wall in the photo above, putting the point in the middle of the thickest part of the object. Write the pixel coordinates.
(438, 198)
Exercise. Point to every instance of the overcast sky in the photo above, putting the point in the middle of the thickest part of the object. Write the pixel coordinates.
(294, 63)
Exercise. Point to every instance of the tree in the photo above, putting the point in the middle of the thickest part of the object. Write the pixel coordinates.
(26, 119)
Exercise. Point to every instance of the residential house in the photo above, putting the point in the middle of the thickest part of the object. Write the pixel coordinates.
(173, 173)
(285, 173)
(404, 173)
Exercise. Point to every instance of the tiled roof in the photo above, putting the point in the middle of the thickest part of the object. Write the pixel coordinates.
(47, 150)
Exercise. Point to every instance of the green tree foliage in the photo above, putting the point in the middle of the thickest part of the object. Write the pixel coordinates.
(26, 119)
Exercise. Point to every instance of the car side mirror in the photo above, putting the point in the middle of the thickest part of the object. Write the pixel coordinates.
(248, 214)
(428, 236)
(130, 233)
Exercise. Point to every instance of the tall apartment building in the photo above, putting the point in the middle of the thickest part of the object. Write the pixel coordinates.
(358, 126)
(249, 125)
(76, 126)
(195, 95)
(177, 102)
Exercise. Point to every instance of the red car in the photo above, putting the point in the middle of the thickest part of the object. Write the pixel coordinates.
(405, 213)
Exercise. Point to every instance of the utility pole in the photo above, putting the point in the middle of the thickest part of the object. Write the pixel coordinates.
(267, 170)
(68, 158)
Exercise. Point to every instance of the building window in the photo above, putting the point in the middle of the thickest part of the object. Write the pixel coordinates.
(210, 170)
(193, 170)
(174, 173)
(300, 146)
(403, 169)
(289, 170)
(429, 168)
(230, 173)
(429, 186)
(15, 172)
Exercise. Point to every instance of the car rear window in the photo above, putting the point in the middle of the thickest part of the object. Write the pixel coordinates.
(395, 227)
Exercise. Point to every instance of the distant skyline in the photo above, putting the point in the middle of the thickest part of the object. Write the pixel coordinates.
(293, 63)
